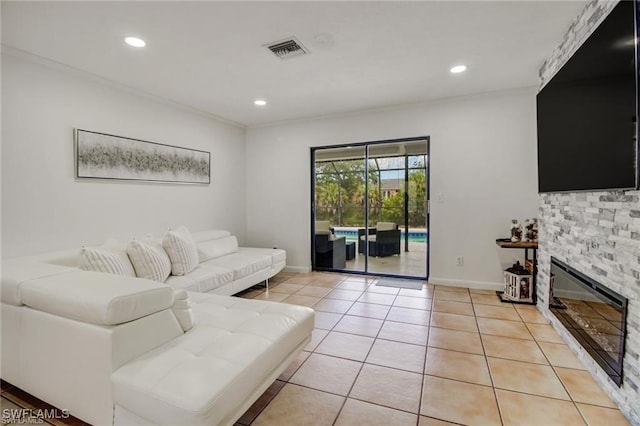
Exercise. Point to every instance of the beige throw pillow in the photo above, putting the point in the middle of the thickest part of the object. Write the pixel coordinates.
(149, 260)
(182, 251)
(109, 258)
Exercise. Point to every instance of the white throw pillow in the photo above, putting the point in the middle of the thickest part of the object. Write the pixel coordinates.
(182, 251)
(149, 260)
(110, 258)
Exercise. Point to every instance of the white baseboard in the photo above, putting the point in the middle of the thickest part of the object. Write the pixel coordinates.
(479, 285)
(297, 269)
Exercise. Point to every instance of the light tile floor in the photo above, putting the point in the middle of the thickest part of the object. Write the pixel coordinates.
(436, 356)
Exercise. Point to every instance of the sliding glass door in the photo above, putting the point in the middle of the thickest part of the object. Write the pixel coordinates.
(370, 208)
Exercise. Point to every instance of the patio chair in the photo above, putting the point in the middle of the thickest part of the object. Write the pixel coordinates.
(384, 239)
(331, 251)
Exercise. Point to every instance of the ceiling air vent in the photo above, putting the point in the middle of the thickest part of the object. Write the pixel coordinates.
(288, 48)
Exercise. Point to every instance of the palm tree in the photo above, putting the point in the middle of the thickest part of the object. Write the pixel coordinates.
(327, 199)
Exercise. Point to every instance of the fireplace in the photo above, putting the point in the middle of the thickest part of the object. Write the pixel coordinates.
(594, 314)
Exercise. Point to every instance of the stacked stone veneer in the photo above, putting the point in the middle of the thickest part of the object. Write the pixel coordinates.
(597, 233)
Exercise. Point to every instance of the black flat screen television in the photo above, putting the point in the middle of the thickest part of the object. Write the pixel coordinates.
(587, 113)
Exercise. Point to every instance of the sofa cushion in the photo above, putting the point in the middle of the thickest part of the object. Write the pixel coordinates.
(234, 347)
(182, 251)
(211, 234)
(386, 226)
(149, 260)
(110, 258)
(16, 272)
(204, 278)
(277, 255)
(96, 298)
(69, 258)
(323, 227)
(212, 249)
(243, 264)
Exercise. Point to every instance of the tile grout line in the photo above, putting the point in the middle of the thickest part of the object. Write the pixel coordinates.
(426, 355)
(549, 364)
(553, 369)
(361, 364)
(427, 346)
(486, 360)
(375, 339)
(456, 380)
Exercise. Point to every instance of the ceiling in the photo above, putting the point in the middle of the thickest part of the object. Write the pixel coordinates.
(210, 56)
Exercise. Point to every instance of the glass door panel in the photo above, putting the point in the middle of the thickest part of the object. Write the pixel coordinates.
(397, 219)
(339, 199)
(416, 238)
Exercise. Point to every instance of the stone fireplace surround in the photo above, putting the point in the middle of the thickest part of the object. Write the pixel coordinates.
(597, 233)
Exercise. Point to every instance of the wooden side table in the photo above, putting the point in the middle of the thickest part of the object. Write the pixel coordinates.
(530, 245)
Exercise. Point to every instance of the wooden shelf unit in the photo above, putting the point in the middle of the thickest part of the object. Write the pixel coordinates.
(530, 264)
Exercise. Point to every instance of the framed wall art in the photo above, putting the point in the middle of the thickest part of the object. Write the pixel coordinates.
(104, 156)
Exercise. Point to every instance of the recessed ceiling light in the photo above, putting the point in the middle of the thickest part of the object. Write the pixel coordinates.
(135, 41)
(458, 69)
(260, 102)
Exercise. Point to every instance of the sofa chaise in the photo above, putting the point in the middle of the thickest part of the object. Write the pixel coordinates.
(124, 350)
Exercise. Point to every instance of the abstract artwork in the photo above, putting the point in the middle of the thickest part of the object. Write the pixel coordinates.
(104, 156)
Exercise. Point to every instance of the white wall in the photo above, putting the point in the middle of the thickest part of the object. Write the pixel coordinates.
(483, 161)
(44, 208)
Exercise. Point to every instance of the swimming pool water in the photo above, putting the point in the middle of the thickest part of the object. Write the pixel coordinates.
(352, 235)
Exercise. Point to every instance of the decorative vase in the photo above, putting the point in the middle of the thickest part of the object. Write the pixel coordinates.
(526, 234)
(516, 231)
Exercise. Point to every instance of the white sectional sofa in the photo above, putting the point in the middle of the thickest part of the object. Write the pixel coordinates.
(224, 267)
(113, 350)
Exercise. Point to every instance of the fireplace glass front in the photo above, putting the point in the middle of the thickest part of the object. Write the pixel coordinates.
(594, 314)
